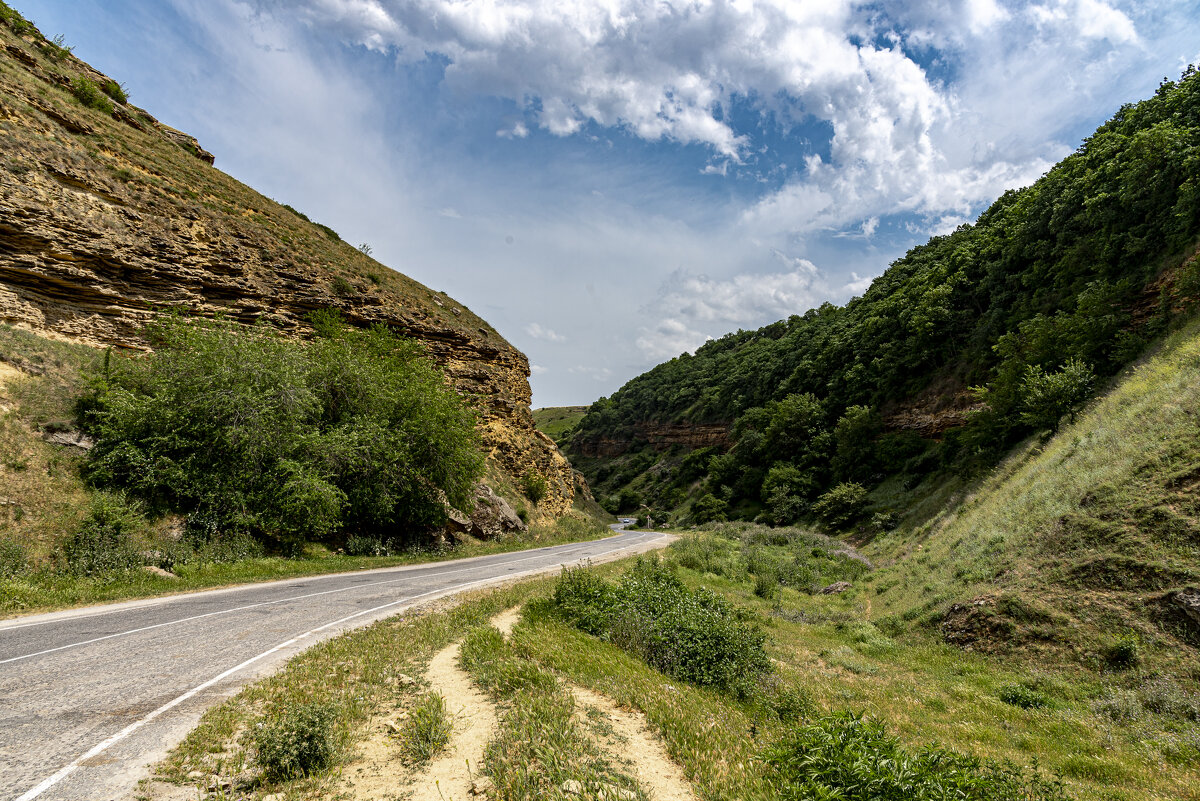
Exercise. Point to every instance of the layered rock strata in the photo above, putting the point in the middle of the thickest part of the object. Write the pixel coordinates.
(108, 218)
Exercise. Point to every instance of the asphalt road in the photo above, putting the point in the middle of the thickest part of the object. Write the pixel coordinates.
(90, 698)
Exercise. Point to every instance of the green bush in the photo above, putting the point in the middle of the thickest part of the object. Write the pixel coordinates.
(1047, 397)
(534, 486)
(852, 758)
(106, 541)
(115, 91)
(709, 508)
(297, 743)
(1123, 654)
(342, 288)
(1022, 696)
(245, 431)
(842, 505)
(363, 545)
(90, 95)
(693, 635)
(428, 729)
(13, 560)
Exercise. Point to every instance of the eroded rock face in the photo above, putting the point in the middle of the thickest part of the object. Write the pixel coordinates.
(660, 436)
(492, 517)
(107, 220)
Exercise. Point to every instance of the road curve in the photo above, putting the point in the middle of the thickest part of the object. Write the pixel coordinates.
(90, 698)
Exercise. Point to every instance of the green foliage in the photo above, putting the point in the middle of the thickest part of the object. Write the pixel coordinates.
(15, 22)
(106, 541)
(115, 90)
(342, 288)
(533, 484)
(1022, 696)
(707, 508)
(853, 758)
(693, 635)
(1047, 397)
(842, 505)
(428, 728)
(1035, 302)
(299, 742)
(13, 559)
(246, 431)
(1124, 654)
(89, 94)
(366, 545)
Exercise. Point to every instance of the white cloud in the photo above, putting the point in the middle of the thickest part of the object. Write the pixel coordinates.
(591, 371)
(690, 308)
(539, 331)
(537, 369)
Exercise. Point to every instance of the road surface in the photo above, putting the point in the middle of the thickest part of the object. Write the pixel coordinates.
(90, 698)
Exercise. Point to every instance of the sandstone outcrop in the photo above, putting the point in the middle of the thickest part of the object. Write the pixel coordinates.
(660, 436)
(492, 517)
(108, 219)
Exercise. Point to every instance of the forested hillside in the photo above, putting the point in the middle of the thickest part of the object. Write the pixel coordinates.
(963, 347)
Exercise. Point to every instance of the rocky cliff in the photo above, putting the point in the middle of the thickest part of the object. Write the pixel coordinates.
(108, 217)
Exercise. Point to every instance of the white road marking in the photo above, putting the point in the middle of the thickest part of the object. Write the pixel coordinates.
(262, 603)
(104, 745)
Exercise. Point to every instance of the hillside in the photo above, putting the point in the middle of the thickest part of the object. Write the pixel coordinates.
(962, 348)
(558, 422)
(108, 217)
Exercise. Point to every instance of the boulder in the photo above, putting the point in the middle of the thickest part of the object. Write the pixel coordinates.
(836, 588)
(1188, 601)
(491, 517)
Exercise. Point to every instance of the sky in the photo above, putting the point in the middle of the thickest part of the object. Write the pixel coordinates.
(612, 182)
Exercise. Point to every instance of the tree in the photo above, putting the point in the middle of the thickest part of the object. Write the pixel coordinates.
(1047, 397)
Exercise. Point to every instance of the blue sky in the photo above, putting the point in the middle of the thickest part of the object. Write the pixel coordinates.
(610, 182)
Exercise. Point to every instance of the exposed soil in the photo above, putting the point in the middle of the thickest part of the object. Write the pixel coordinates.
(380, 772)
(632, 743)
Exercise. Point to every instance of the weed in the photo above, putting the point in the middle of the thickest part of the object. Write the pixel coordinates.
(365, 545)
(854, 759)
(297, 743)
(428, 729)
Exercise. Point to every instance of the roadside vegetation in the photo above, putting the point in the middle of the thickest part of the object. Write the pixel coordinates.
(81, 522)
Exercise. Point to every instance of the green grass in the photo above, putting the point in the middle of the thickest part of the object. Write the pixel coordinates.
(47, 589)
(428, 729)
(359, 675)
(543, 748)
(558, 421)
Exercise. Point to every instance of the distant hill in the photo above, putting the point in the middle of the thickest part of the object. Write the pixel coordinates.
(961, 349)
(558, 421)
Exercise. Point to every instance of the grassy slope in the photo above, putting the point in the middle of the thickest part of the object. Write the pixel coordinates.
(1092, 529)
(555, 421)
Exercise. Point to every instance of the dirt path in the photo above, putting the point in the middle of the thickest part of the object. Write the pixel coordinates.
(639, 748)
(379, 773)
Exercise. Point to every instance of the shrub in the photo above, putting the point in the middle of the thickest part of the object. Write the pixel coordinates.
(90, 95)
(1124, 654)
(691, 635)
(363, 545)
(105, 541)
(708, 508)
(1022, 696)
(428, 729)
(298, 743)
(12, 559)
(852, 758)
(842, 505)
(533, 484)
(115, 91)
(245, 431)
(342, 288)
